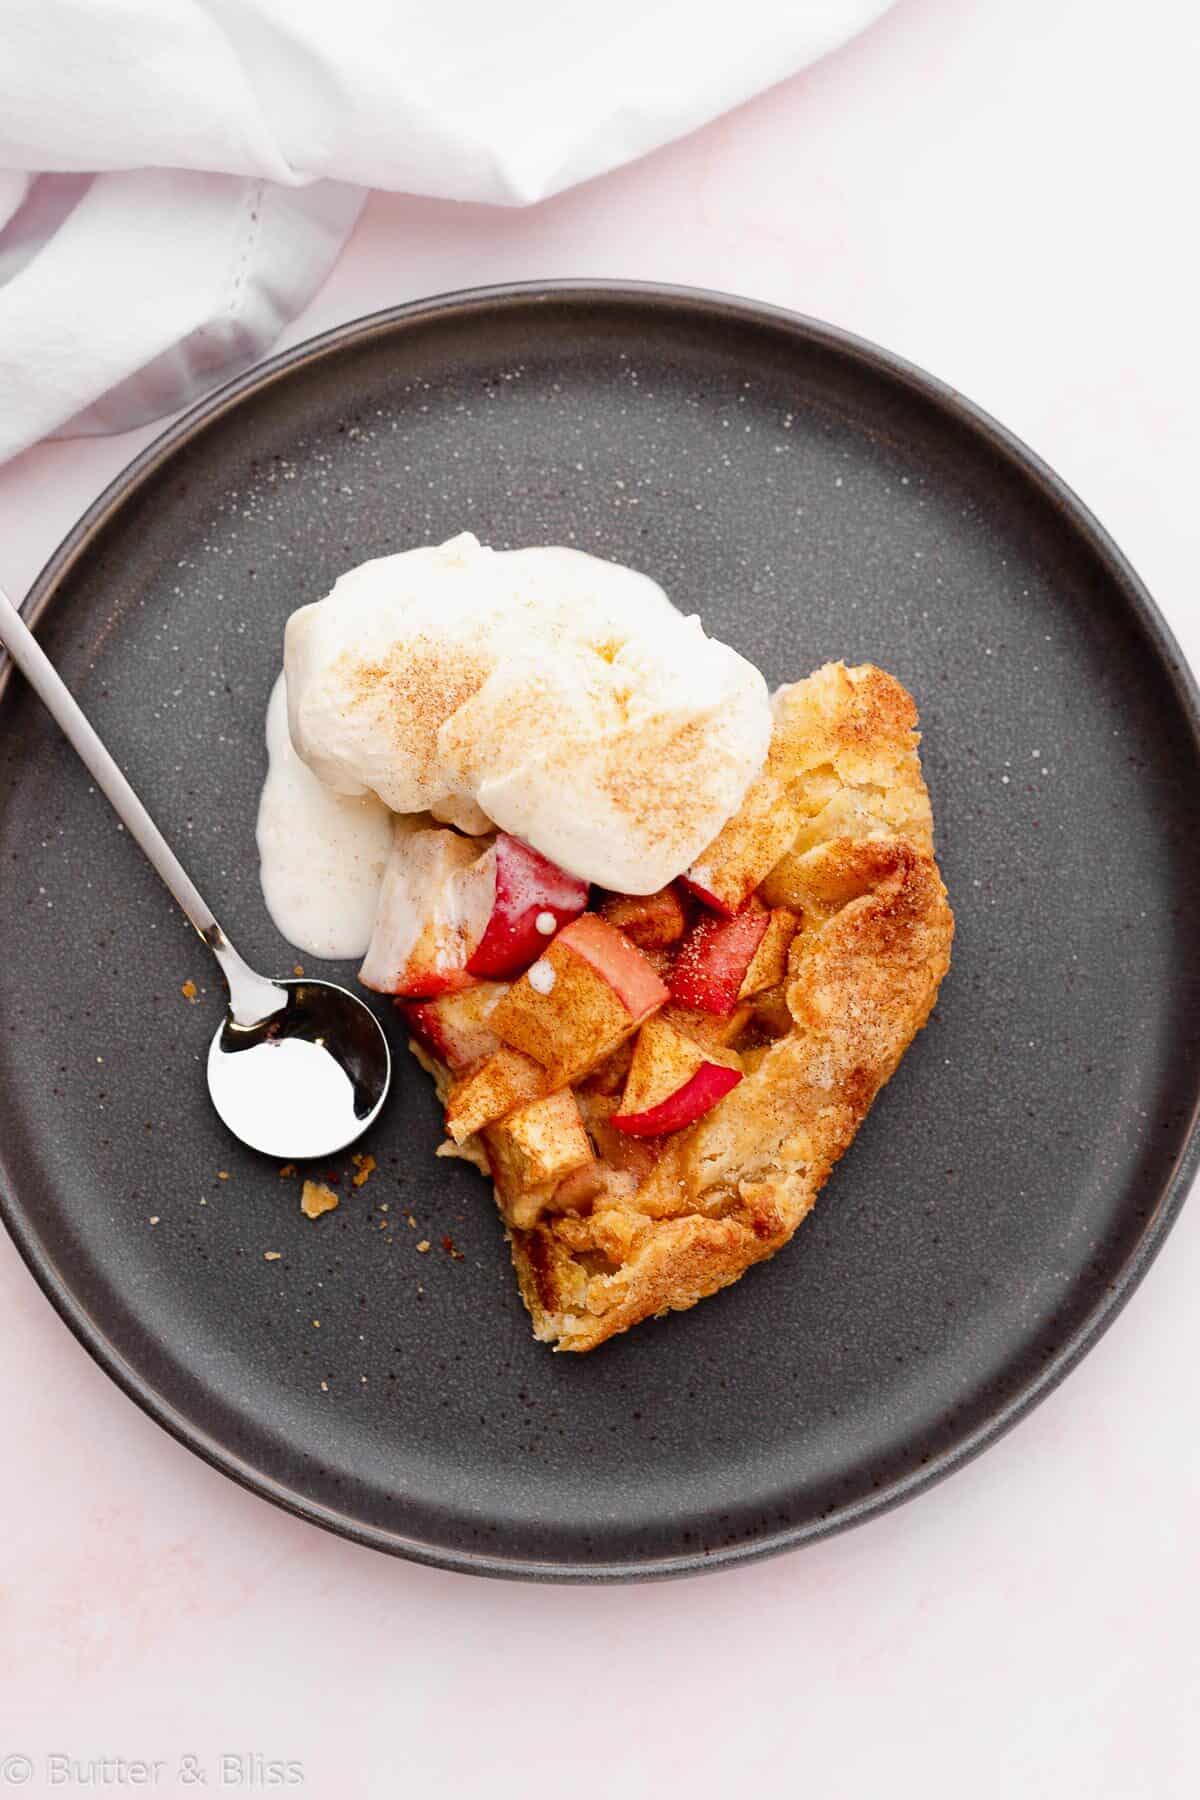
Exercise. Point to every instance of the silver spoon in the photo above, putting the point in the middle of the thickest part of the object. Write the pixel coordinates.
(297, 1068)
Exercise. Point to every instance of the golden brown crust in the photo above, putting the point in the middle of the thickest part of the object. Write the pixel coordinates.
(863, 974)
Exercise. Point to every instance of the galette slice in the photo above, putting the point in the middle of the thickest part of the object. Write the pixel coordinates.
(661, 1093)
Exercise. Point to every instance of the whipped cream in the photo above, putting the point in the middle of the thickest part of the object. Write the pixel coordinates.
(560, 697)
(322, 855)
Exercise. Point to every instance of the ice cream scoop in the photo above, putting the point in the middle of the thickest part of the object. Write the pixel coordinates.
(558, 696)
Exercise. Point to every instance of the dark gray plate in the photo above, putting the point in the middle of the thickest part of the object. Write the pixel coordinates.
(812, 497)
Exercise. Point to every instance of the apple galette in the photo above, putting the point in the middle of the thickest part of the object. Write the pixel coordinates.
(659, 1085)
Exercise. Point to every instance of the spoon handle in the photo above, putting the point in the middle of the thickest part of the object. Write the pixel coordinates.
(252, 996)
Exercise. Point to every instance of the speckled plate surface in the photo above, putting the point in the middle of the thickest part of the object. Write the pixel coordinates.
(812, 498)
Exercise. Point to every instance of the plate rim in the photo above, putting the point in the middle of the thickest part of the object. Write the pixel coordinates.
(892, 368)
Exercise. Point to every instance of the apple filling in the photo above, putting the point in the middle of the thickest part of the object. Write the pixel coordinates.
(623, 1024)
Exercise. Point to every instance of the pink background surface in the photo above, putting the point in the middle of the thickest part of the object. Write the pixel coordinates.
(1006, 194)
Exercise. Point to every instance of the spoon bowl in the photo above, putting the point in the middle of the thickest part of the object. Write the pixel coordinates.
(307, 1080)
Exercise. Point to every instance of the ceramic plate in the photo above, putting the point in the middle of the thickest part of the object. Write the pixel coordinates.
(811, 497)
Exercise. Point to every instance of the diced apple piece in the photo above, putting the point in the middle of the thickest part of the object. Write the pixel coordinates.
(563, 1015)
(539, 1143)
(584, 995)
(771, 813)
(663, 1060)
(736, 862)
(672, 1082)
(768, 965)
(612, 956)
(502, 1082)
(531, 898)
(449, 911)
(708, 1085)
(651, 921)
(456, 1028)
(710, 1030)
(433, 908)
(715, 958)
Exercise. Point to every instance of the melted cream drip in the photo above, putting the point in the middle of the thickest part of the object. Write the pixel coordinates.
(321, 854)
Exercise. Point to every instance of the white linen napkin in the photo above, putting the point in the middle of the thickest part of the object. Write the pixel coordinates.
(177, 177)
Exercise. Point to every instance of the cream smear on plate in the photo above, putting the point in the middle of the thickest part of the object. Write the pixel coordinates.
(321, 854)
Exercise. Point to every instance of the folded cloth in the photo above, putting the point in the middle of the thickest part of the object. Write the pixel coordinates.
(177, 177)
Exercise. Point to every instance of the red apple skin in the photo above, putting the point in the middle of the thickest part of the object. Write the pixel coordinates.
(527, 884)
(633, 979)
(432, 983)
(710, 1083)
(702, 894)
(712, 964)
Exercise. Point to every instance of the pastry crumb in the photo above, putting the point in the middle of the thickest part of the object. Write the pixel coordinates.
(448, 1245)
(190, 991)
(286, 1170)
(412, 1223)
(316, 1198)
(297, 968)
(222, 1174)
(154, 1218)
(364, 1168)
(424, 1245)
(324, 1387)
(272, 1255)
